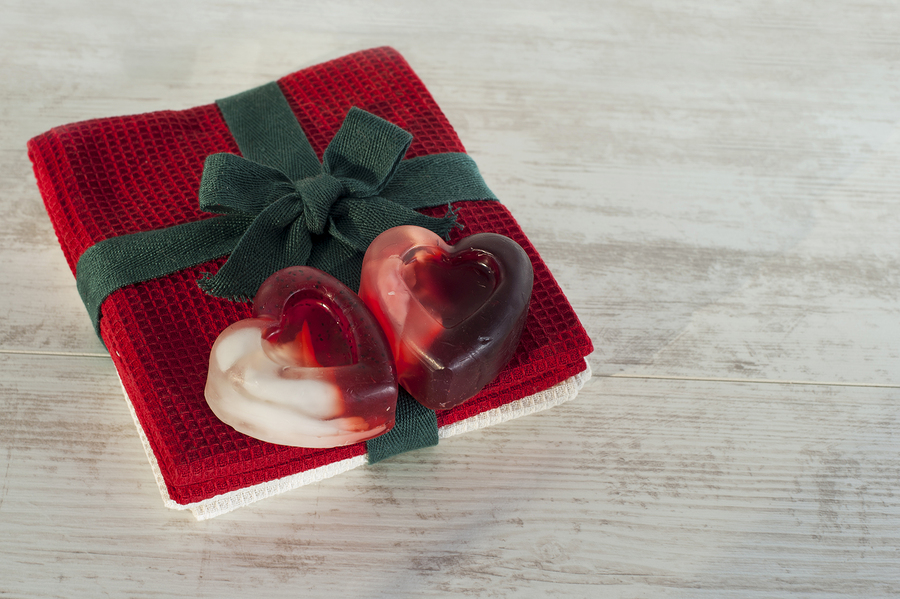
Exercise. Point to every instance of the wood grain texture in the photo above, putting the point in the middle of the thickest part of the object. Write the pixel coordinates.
(715, 186)
(792, 489)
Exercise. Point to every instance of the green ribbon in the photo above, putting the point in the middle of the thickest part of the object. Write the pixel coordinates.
(415, 427)
(277, 206)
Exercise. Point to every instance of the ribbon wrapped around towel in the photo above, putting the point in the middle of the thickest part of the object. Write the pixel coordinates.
(277, 206)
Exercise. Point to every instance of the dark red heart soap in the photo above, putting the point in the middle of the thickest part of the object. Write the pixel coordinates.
(453, 314)
(312, 368)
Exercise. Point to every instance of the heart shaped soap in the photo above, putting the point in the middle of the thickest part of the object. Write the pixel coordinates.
(312, 368)
(453, 314)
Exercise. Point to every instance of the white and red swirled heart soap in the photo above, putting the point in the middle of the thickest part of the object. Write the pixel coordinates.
(310, 369)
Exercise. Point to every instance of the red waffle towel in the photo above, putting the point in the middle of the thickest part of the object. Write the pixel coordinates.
(108, 177)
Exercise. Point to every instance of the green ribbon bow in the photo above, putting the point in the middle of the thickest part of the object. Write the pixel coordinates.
(279, 207)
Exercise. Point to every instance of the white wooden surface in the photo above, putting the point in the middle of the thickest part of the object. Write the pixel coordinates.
(716, 185)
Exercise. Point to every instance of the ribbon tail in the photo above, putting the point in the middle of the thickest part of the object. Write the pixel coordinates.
(339, 259)
(276, 239)
(128, 259)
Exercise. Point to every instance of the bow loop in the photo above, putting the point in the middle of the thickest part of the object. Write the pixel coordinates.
(318, 194)
(234, 184)
(365, 153)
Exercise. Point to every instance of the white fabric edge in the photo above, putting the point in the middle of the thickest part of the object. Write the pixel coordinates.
(227, 502)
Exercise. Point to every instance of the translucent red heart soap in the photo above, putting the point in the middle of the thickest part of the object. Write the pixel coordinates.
(453, 314)
(312, 368)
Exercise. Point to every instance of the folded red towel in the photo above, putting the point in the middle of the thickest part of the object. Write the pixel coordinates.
(119, 175)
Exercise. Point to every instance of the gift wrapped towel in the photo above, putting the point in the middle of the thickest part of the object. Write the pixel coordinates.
(116, 176)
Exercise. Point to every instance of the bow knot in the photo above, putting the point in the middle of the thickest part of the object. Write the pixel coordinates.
(318, 194)
(278, 206)
(325, 215)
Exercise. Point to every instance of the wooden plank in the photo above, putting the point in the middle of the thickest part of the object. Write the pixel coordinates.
(711, 207)
(638, 488)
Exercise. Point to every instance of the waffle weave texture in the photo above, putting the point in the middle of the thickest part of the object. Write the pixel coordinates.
(108, 177)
